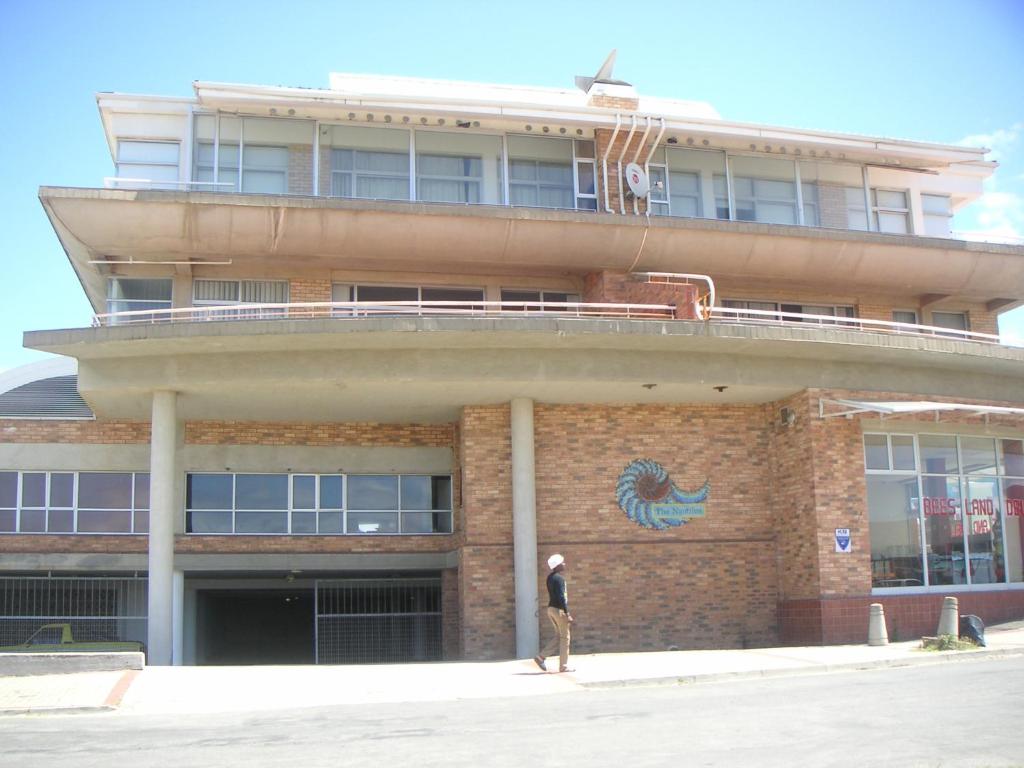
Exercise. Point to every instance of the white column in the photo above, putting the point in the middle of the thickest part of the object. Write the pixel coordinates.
(524, 528)
(178, 618)
(162, 509)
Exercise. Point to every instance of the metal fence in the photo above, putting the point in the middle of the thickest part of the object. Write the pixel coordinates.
(378, 621)
(99, 609)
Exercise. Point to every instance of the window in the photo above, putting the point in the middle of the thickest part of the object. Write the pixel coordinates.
(904, 316)
(890, 212)
(455, 299)
(586, 175)
(137, 295)
(833, 195)
(946, 512)
(540, 172)
(658, 200)
(225, 293)
(147, 164)
(696, 180)
(955, 321)
(370, 163)
(74, 502)
(536, 301)
(938, 215)
(834, 310)
(253, 154)
(764, 190)
(312, 504)
(458, 168)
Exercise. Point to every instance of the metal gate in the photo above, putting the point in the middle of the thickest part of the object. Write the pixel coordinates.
(99, 609)
(378, 621)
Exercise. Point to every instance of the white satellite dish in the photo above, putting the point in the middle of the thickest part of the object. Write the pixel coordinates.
(636, 179)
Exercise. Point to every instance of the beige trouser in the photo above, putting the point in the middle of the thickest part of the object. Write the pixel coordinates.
(560, 641)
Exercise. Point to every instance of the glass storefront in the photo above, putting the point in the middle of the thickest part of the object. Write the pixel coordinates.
(944, 509)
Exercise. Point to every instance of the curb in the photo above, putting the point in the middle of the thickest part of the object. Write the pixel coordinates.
(56, 710)
(814, 669)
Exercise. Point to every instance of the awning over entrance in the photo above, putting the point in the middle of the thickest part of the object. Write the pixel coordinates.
(894, 407)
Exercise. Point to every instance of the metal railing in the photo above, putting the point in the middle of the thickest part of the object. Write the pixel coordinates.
(799, 319)
(342, 309)
(498, 309)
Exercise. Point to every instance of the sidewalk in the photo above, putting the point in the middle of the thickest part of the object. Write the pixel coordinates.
(173, 690)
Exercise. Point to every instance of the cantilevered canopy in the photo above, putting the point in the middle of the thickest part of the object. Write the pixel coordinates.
(827, 408)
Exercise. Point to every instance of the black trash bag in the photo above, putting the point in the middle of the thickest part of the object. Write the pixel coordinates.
(973, 628)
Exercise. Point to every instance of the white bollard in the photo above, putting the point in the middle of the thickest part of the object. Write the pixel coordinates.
(949, 619)
(877, 633)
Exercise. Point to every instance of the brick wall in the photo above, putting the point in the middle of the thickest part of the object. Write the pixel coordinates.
(620, 287)
(361, 434)
(309, 290)
(300, 169)
(84, 432)
(711, 582)
(451, 637)
(486, 585)
(602, 138)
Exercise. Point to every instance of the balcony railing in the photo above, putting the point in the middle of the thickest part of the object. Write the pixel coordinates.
(498, 309)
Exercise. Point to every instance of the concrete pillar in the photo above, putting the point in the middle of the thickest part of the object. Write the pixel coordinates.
(162, 511)
(178, 618)
(524, 529)
(949, 619)
(877, 633)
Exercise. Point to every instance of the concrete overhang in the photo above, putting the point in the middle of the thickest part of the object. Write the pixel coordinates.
(426, 369)
(287, 234)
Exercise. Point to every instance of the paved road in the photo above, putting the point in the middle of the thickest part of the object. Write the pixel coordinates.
(965, 714)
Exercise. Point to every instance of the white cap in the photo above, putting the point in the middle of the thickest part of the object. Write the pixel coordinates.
(554, 561)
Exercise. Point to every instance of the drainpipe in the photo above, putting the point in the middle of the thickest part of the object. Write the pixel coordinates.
(604, 161)
(622, 154)
(636, 157)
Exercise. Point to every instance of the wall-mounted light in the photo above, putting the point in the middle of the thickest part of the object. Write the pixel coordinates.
(720, 388)
(672, 140)
(462, 123)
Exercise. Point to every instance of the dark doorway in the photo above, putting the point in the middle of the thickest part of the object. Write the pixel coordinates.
(243, 626)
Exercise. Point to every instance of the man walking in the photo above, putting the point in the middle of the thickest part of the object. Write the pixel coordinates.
(558, 612)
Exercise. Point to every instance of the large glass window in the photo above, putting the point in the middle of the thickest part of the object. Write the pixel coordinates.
(938, 215)
(890, 211)
(540, 172)
(74, 502)
(137, 295)
(536, 301)
(966, 518)
(147, 164)
(311, 504)
(694, 182)
(764, 190)
(833, 195)
(458, 168)
(229, 293)
(254, 154)
(365, 162)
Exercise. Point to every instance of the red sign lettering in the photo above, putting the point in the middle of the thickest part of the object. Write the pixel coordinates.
(940, 506)
(982, 507)
(1015, 507)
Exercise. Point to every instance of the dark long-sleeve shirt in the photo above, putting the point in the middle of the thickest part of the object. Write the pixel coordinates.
(558, 597)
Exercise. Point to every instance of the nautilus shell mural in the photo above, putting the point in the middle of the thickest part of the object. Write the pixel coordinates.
(649, 498)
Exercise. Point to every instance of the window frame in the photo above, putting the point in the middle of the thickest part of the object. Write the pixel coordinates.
(962, 479)
(133, 510)
(119, 164)
(319, 508)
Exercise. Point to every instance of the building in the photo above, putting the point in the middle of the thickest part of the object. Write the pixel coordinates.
(364, 356)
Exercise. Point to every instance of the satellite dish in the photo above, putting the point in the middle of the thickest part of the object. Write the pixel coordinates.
(637, 180)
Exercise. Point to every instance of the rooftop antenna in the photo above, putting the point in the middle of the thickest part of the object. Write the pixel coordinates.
(604, 75)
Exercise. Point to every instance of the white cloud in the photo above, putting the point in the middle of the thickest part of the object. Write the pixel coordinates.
(999, 141)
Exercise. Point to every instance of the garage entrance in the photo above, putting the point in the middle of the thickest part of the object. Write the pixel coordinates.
(343, 620)
(243, 626)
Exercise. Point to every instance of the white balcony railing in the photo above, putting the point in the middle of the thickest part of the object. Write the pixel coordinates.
(496, 309)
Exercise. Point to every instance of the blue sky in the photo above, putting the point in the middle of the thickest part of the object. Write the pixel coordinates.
(949, 72)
